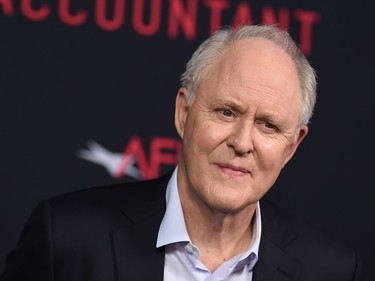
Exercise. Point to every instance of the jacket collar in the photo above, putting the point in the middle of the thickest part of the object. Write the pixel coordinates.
(274, 263)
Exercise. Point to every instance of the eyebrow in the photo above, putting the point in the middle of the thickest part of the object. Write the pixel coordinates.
(236, 106)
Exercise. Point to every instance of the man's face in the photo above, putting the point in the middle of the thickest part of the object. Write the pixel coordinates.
(239, 132)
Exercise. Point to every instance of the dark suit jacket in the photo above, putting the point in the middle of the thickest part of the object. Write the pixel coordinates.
(109, 233)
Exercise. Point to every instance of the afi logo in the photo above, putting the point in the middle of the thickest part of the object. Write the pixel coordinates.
(133, 161)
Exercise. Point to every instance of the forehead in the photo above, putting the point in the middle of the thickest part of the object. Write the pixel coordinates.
(254, 70)
(255, 60)
(251, 59)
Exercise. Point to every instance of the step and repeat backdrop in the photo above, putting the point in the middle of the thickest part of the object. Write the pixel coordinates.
(87, 92)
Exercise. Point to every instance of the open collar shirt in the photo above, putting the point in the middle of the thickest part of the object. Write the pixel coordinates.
(182, 256)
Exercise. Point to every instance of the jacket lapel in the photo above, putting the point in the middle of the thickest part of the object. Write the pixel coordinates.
(274, 263)
(136, 255)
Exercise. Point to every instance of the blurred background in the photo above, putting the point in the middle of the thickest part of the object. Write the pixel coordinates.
(87, 94)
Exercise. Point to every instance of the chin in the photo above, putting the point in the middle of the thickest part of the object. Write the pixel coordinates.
(230, 207)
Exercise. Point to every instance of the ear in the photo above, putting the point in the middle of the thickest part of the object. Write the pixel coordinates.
(293, 147)
(181, 109)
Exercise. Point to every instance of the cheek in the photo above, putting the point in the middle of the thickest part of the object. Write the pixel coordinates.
(214, 135)
(270, 152)
(206, 136)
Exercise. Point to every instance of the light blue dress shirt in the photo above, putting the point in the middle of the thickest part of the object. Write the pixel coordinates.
(182, 257)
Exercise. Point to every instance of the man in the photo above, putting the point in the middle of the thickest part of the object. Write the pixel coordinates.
(246, 99)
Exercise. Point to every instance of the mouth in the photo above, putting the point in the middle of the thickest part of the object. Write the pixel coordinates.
(233, 170)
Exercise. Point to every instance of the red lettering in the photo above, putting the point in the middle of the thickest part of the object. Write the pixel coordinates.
(32, 13)
(242, 15)
(68, 18)
(307, 19)
(138, 14)
(118, 15)
(186, 17)
(135, 148)
(217, 7)
(269, 17)
(159, 157)
(8, 8)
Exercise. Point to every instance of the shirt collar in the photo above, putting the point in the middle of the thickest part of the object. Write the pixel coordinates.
(173, 228)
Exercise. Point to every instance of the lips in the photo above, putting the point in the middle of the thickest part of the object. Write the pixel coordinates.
(233, 169)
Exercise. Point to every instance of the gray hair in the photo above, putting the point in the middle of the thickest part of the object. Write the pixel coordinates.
(212, 47)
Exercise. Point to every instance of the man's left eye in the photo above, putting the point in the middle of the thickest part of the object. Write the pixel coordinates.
(270, 127)
(227, 112)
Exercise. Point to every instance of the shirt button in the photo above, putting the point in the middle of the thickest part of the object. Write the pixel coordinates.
(189, 248)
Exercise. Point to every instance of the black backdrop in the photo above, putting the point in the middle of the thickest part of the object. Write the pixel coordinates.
(87, 94)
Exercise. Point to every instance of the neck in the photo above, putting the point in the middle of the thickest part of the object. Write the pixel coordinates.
(219, 235)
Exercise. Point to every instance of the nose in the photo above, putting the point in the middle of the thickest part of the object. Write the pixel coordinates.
(241, 139)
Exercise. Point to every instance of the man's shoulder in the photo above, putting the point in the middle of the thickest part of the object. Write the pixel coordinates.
(295, 246)
(274, 216)
(301, 239)
(108, 205)
(117, 192)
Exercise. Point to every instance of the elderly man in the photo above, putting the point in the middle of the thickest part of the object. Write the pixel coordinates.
(246, 99)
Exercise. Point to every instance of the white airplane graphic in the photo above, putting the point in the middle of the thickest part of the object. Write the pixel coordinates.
(109, 160)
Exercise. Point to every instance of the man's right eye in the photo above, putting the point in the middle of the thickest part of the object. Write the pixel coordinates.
(224, 114)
